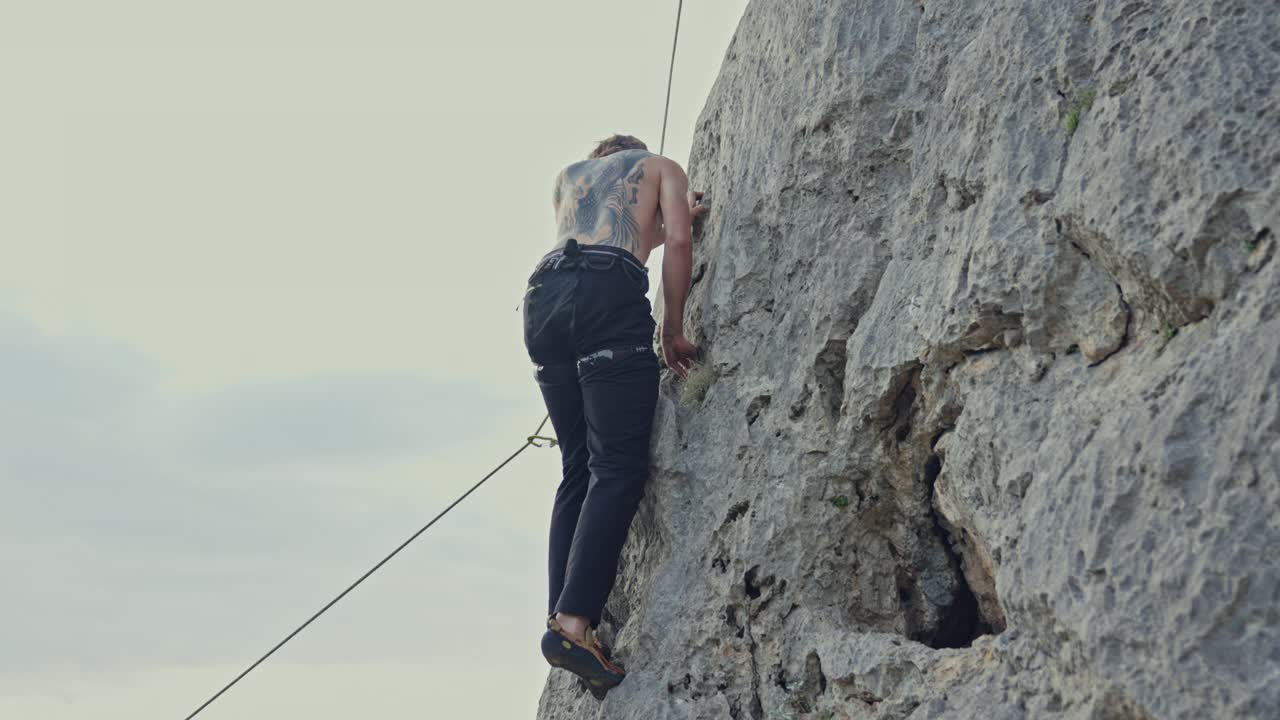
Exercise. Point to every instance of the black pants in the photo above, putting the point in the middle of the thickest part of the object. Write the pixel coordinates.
(589, 329)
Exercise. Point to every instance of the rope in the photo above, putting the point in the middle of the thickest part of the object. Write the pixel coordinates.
(533, 440)
(662, 144)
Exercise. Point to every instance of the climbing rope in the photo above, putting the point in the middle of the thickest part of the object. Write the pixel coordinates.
(662, 143)
(534, 440)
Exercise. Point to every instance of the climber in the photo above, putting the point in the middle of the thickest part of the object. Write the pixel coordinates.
(588, 327)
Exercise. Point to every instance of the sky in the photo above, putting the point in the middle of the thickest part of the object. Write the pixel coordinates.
(259, 270)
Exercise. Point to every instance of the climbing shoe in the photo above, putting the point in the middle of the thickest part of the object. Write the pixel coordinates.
(586, 657)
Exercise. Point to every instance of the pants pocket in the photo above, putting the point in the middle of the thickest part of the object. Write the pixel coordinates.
(623, 358)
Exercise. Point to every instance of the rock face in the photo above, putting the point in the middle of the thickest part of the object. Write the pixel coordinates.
(989, 294)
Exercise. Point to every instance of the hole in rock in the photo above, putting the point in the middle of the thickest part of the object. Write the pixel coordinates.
(749, 583)
(961, 622)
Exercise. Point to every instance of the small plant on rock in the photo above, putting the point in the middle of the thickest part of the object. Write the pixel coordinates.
(1082, 105)
(697, 385)
(1167, 333)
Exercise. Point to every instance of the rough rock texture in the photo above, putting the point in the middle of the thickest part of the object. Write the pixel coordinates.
(990, 293)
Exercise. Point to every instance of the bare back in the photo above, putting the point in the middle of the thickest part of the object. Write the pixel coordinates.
(611, 200)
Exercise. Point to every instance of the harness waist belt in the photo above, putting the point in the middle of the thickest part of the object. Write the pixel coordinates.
(557, 257)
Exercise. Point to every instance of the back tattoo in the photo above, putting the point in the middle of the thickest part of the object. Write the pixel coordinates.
(599, 200)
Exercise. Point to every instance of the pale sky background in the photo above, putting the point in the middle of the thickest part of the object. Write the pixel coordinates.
(260, 263)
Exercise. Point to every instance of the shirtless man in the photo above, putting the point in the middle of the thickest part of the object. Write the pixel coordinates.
(588, 327)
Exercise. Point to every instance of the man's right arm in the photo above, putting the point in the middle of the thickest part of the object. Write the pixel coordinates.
(677, 266)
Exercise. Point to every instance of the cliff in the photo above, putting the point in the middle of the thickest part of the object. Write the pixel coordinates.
(990, 425)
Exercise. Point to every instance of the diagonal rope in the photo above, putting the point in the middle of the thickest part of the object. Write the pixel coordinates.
(662, 144)
(534, 440)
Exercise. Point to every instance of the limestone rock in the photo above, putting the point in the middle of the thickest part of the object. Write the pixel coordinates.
(990, 293)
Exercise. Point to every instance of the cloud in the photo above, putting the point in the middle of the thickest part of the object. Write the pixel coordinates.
(50, 378)
(93, 445)
(85, 451)
(344, 418)
(144, 528)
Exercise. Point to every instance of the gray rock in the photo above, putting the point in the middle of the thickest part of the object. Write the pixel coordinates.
(990, 293)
